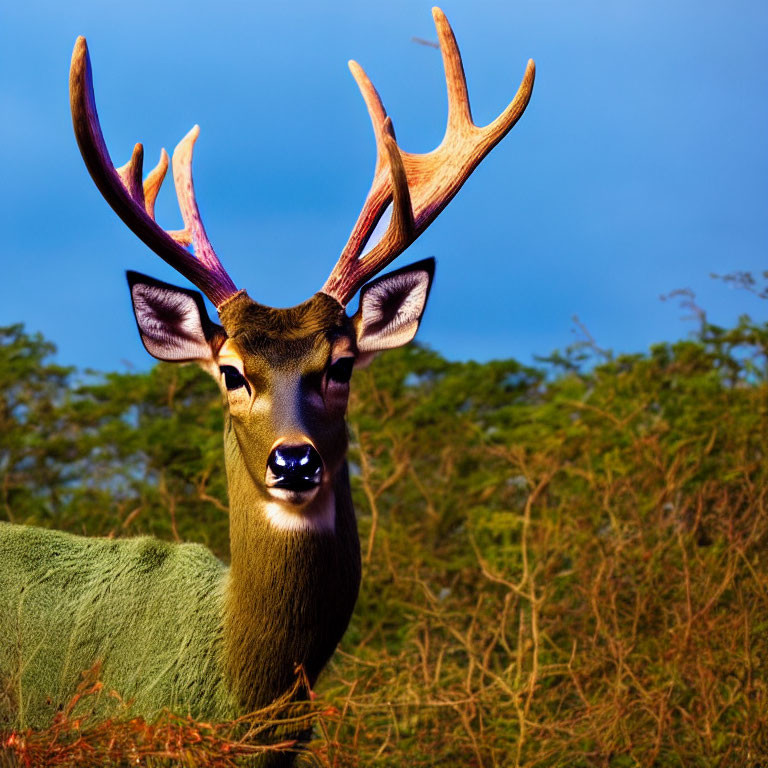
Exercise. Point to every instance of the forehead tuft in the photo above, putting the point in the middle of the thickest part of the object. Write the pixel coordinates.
(278, 333)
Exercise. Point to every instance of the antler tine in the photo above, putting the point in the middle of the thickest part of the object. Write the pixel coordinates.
(153, 182)
(376, 111)
(185, 192)
(402, 227)
(496, 130)
(130, 175)
(459, 112)
(427, 182)
(387, 186)
(135, 203)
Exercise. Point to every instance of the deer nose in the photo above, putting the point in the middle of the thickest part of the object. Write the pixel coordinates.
(295, 467)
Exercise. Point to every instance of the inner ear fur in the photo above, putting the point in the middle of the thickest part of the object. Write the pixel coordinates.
(391, 308)
(173, 322)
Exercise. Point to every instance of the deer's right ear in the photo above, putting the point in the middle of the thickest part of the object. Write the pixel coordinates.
(391, 308)
(173, 322)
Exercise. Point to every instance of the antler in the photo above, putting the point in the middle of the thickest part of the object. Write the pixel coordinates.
(419, 186)
(134, 202)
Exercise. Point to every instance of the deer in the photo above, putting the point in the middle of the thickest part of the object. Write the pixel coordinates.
(170, 624)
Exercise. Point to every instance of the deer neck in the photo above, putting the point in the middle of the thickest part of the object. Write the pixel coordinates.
(290, 593)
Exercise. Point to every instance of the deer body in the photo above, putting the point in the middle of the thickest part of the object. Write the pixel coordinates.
(169, 624)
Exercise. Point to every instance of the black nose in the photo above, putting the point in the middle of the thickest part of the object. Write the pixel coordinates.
(295, 467)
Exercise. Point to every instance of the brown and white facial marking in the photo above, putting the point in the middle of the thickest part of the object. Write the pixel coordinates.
(285, 376)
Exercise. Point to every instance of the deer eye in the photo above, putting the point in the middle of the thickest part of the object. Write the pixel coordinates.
(233, 379)
(341, 370)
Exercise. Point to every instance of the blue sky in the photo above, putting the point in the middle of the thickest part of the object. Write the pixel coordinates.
(641, 165)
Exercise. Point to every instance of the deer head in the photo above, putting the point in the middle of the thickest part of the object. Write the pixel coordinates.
(284, 373)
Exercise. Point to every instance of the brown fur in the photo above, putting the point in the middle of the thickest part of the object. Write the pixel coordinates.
(290, 594)
(289, 600)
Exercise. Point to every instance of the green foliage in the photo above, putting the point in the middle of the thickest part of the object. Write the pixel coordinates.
(35, 446)
(564, 565)
(116, 454)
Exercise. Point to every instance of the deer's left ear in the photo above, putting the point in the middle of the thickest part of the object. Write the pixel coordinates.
(391, 308)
